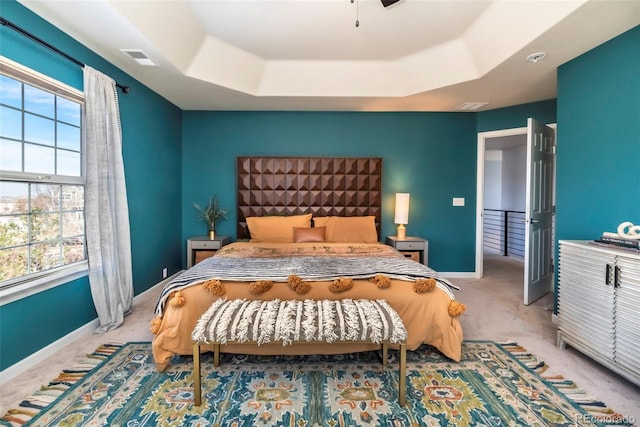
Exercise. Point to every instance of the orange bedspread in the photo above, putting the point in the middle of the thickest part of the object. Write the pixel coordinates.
(426, 316)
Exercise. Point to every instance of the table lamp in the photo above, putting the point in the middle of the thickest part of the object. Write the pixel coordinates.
(402, 213)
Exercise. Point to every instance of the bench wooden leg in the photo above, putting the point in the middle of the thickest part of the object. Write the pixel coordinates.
(385, 353)
(216, 355)
(197, 386)
(402, 392)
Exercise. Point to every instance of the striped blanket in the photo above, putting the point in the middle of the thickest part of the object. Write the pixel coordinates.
(308, 268)
(287, 322)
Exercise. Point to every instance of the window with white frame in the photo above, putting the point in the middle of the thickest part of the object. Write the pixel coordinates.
(42, 228)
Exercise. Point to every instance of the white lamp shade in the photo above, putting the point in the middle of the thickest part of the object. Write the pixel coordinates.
(402, 208)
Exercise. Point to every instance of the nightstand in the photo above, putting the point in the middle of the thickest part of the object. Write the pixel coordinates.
(201, 247)
(415, 248)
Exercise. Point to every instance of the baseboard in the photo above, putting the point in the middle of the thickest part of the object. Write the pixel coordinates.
(461, 275)
(53, 348)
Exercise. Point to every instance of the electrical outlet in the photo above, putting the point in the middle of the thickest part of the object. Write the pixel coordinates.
(458, 201)
(164, 273)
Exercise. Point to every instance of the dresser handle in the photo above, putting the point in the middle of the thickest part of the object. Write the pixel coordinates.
(616, 277)
(607, 277)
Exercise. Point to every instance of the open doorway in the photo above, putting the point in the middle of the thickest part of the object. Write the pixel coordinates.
(505, 183)
(501, 195)
(516, 202)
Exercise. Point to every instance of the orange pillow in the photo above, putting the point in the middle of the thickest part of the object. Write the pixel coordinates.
(313, 234)
(276, 229)
(349, 229)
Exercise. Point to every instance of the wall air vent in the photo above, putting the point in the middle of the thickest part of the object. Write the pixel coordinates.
(139, 56)
(471, 106)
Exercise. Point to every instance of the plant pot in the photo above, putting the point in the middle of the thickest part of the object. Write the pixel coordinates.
(212, 234)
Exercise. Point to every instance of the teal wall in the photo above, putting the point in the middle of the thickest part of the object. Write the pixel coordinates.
(430, 155)
(598, 160)
(516, 116)
(151, 129)
(31, 323)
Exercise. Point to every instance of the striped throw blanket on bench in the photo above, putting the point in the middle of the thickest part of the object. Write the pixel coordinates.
(299, 321)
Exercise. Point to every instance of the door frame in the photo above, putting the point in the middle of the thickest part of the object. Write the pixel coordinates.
(482, 137)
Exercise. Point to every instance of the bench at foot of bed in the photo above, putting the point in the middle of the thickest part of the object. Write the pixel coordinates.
(291, 322)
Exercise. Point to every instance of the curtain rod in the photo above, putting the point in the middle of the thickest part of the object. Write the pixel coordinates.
(7, 23)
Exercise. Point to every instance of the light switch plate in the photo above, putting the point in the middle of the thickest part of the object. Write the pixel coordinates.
(458, 201)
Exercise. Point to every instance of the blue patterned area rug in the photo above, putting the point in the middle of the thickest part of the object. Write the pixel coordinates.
(494, 385)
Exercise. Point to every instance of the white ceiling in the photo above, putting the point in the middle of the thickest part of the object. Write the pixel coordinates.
(416, 55)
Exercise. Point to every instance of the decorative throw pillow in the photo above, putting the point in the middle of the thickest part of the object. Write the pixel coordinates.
(276, 229)
(349, 229)
(313, 234)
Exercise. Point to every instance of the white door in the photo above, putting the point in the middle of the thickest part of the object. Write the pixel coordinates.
(538, 263)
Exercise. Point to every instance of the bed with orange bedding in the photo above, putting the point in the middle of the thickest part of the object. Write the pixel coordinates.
(309, 270)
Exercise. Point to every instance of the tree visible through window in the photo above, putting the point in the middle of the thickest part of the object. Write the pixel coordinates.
(41, 176)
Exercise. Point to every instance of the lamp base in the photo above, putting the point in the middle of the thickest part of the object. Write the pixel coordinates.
(402, 231)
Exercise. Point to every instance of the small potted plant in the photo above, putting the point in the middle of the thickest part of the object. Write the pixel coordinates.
(211, 214)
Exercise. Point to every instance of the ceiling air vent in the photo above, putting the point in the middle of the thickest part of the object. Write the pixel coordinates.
(139, 56)
(471, 106)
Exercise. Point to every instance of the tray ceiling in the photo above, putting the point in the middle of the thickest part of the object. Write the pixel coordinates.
(416, 55)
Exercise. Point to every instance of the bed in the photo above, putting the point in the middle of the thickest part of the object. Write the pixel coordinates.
(308, 228)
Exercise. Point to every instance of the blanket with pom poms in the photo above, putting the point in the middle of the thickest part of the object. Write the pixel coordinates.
(297, 271)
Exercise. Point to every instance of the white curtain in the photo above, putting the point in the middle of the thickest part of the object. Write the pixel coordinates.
(107, 212)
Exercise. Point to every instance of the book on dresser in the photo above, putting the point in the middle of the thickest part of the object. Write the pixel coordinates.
(612, 240)
(629, 243)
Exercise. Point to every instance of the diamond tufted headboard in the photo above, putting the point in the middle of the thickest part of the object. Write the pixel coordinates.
(323, 186)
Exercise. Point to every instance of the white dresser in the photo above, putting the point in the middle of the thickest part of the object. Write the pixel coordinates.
(599, 304)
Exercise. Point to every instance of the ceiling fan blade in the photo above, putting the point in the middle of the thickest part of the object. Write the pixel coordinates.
(386, 3)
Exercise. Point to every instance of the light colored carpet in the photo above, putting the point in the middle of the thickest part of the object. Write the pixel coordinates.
(494, 312)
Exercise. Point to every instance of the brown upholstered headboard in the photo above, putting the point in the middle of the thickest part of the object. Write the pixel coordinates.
(323, 186)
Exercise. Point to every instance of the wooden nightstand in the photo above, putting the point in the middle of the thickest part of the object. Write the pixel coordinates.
(201, 247)
(415, 248)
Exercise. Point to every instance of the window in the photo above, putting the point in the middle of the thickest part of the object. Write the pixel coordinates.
(41, 177)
